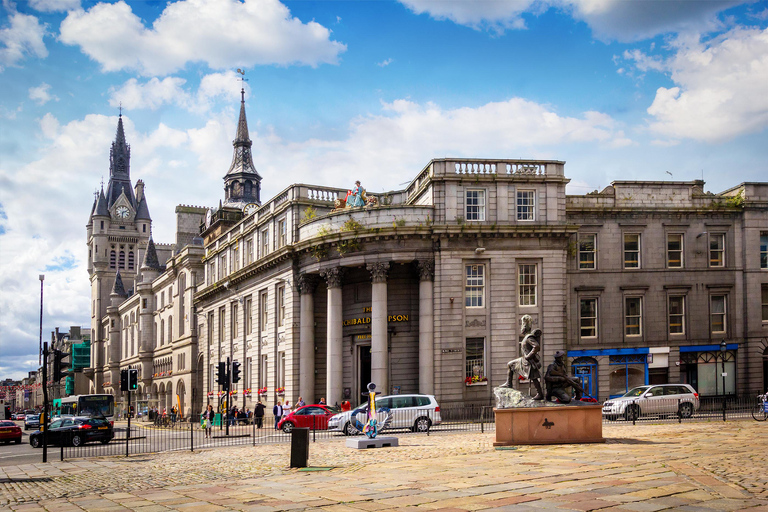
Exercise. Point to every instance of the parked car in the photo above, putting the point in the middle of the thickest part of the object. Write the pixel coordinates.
(416, 412)
(653, 400)
(9, 431)
(74, 431)
(31, 421)
(314, 416)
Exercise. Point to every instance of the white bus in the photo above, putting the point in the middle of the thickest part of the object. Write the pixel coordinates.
(93, 406)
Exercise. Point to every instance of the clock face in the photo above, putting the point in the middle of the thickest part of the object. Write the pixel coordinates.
(122, 212)
(250, 208)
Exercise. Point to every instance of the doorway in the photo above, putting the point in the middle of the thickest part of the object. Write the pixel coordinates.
(363, 370)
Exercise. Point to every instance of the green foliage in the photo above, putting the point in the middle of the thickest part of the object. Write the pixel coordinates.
(309, 214)
(347, 246)
(324, 230)
(351, 225)
(572, 248)
(736, 201)
(319, 251)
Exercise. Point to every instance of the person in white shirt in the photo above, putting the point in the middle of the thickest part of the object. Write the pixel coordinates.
(286, 408)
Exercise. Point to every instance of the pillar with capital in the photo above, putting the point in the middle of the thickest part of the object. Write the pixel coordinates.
(379, 335)
(426, 327)
(334, 361)
(307, 284)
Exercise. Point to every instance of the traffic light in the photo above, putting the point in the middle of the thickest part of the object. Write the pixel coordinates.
(221, 374)
(235, 372)
(133, 379)
(123, 380)
(60, 366)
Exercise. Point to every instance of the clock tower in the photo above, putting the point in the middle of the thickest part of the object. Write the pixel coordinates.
(118, 231)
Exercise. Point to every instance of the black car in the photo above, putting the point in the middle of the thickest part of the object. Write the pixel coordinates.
(74, 431)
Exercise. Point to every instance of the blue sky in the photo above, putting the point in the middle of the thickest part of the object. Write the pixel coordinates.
(339, 91)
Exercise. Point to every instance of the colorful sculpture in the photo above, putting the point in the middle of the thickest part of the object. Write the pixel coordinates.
(377, 420)
(356, 196)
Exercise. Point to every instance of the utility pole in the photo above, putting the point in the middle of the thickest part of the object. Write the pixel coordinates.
(228, 387)
(45, 402)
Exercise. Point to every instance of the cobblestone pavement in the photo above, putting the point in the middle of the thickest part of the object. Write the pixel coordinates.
(691, 467)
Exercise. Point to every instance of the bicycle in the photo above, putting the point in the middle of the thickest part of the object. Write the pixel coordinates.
(760, 411)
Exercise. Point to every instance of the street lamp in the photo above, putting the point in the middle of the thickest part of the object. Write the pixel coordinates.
(723, 348)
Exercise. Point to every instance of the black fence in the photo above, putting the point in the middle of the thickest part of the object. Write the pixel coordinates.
(162, 435)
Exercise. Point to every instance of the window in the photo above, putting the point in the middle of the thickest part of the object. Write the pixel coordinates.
(525, 204)
(234, 321)
(475, 205)
(631, 250)
(717, 250)
(281, 369)
(527, 284)
(264, 243)
(281, 306)
(587, 251)
(170, 329)
(717, 313)
(131, 261)
(211, 272)
(764, 301)
(263, 370)
(248, 373)
(236, 258)
(162, 299)
(674, 250)
(248, 319)
(474, 288)
(162, 332)
(282, 235)
(112, 260)
(677, 314)
(763, 250)
(475, 361)
(249, 251)
(121, 259)
(264, 311)
(588, 318)
(222, 266)
(633, 316)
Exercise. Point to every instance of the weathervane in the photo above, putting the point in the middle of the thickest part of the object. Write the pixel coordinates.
(121, 109)
(242, 80)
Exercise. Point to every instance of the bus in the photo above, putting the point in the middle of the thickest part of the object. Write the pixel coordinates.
(94, 406)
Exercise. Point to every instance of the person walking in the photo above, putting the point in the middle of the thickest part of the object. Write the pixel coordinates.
(259, 414)
(208, 417)
(277, 412)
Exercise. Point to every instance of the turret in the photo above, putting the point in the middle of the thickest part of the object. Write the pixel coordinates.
(242, 183)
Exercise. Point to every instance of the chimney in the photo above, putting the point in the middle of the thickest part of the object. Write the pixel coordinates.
(139, 189)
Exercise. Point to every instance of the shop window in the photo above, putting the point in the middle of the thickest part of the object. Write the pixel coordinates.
(631, 250)
(627, 372)
(658, 376)
(475, 207)
(526, 204)
(587, 251)
(674, 250)
(633, 316)
(709, 369)
(474, 286)
(717, 250)
(527, 284)
(588, 318)
(475, 361)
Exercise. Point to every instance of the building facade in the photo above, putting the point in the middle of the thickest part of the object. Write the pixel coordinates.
(423, 289)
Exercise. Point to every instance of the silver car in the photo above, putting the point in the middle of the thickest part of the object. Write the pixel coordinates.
(416, 412)
(661, 399)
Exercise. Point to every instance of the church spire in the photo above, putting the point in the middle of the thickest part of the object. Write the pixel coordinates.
(242, 183)
(119, 167)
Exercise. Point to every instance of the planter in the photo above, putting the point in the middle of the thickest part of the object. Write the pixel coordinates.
(481, 383)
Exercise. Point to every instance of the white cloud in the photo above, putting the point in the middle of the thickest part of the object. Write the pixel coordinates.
(220, 33)
(151, 94)
(621, 20)
(22, 37)
(384, 63)
(49, 126)
(41, 95)
(54, 5)
(720, 88)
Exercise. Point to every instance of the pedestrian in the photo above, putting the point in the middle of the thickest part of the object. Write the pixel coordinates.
(208, 417)
(286, 408)
(248, 416)
(173, 414)
(346, 406)
(259, 414)
(277, 412)
(300, 403)
(233, 416)
(322, 401)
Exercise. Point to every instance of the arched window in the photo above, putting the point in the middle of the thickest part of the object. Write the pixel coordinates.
(162, 332)
(130, 260)
(113, 260)
(121, 259)
(156, 335)
(182, 305)
(170, 329)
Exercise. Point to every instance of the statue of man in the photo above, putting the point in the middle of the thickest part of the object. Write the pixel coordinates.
(558, 382)
(528, 365)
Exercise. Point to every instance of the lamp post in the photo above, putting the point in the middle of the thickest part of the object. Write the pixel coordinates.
(723, 348)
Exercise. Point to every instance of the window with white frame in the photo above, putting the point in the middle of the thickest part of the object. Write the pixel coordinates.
(674, 250)
(677, 314)
(588, 317)
(263, 372)
(249, 251)
(248, 313)
(222, 266)
(211, 272)
(236, 257)
(281, 369)
(631, 250)
(475, 205)
(527, 284)
(264, 311)
(264, 242)
(717, 313)
(281, 306)
(587, 251)
(248, 374)
(633, 316)
(282, 234)
(526, 200)
(474, 286)
(764, 250)
(234, 320)
(717, 250)
(764, 301)
(475, 361)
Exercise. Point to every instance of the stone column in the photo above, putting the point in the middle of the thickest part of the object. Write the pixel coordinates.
(307, 284)
(334, 360)
(426, 327)
(379, 338)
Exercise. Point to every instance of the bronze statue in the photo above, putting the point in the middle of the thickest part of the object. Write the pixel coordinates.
(558, 381)
(528, 365)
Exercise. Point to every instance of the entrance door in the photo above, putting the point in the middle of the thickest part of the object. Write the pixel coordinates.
(364, 371)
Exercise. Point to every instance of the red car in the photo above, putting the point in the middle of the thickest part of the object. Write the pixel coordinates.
(308, 416)
(9, 431)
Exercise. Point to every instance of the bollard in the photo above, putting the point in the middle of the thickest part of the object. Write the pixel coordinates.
(299, 447)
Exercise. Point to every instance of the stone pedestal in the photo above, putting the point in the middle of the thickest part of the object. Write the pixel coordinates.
(361, 443)
(565, 424)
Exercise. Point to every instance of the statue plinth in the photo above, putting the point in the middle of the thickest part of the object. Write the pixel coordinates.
(520, 420)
